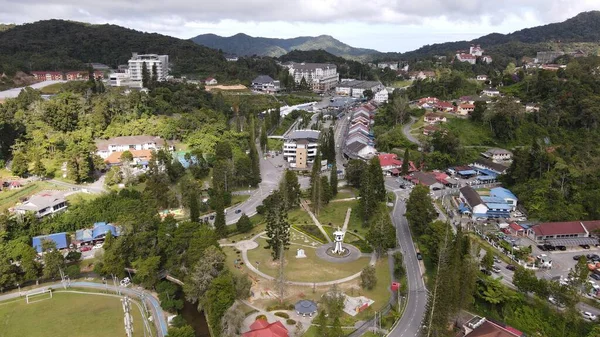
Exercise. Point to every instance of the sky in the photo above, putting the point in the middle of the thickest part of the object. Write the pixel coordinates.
(384, 25)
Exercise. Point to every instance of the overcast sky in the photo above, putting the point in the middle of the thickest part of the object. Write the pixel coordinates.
(385, 25)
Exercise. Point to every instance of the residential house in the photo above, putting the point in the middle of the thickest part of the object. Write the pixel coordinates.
(516, 229)
(300, 147)
(465, 109)
(444, 106)
(391, 65)
(430, 129)
(552, 67)
(15, 185)
(140, 158)
(473, 202)
(490, 91)
(390, 164)
(95, 234)
(359, 128)
(381, 96)
(359, 150)
(48, 75)
(532, 107)
(104, 147)
(428, 179)
(481, 327)
(361, 120)
(77, 75)
(266, 84)
(497, 155)
(434, 118)
(482, 77)
(421, 75)
(262, 328)
(461, 57)
(60, 241)
(43, 204)
(210, 81)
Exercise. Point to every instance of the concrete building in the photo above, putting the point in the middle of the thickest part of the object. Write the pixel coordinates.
(104, 147)
(356, 89)
(320, 77)
(497, 155)
(137, 61)
(466, 58)
(381, 96)
(470, 198)
(43, 204)
(566, 233)
(266, 84)
(300, 148)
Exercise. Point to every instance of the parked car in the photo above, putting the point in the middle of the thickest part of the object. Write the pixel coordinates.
(486, 272)
(98, 246)
(212, 217)
(577, 257)
(563, 248)
(511, 267)
(238, 211)
(542, 248)
(419, 256)
(588, 315)
(496, 269)
(585, 246)
(85, 248)
(592, 257)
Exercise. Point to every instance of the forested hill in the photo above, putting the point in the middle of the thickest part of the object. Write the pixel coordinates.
(585, 27)
(67, 45)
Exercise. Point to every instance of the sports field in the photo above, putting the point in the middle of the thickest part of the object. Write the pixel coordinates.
(66, 314)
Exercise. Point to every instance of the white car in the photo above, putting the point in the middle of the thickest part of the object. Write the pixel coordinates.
(588, 315)
(496, 269)
(98, 246)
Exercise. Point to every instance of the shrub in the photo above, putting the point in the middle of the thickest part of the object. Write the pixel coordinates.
(73, 271)
(312, 231)
(368, 278)
(363, 245)
(261, 317)
(282, 314)
(290, 321)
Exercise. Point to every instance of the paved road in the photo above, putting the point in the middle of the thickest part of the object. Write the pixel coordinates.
(406, 131)
(95, 187)
(157, 313)
(12, 93)
(409, 324)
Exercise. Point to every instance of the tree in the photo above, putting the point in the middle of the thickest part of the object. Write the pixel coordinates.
(73, 256)
(145, 76)
(525, 280)
(488, 260)
(333, 301)
(231, 323)
(316, 188)
(263, 137)
(167, 294)
(326, 190)
(220, 224)
(321, 322)
(419, 209)
(243, 286)
(208, 267)
(38, 168)
(381, 234)
(479, 111)
(73, 271)
(579, 273)
(53, 263)
(194, 208)
(377, 181)
(368, 94)
(147, 271)
(244, 225)
(354, 172)
(184, 331)
(20, 165)
(405, 163)
(278, 228)
(304, 85)
(154, 75)
(218, 298)
(333, 180)
(290, 190)
(368, 277)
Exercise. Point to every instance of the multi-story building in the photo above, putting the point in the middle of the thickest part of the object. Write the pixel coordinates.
(48, 75)
(266, 83)
(476, 50)
(382, 96)
(43, 204)
(357, 88)
(320, 76)
(104, 147)
(466, 58)
(136, 64)
(300, 148)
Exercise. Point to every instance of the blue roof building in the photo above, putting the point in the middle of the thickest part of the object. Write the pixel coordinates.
(506, 195)
(60, 239)
(98, 232)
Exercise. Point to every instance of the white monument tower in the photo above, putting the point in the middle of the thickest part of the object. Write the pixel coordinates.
(338, 237)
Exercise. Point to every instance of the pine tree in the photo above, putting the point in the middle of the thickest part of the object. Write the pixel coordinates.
(333, 180)
(220, 224)
(278, 227)
(325, 190)
(154, 75)
(315, 184)
(405, 162)
(263, 137)
(290, 190)
(38, 168)
(145, 76)
(194, 208)
(331, 144)
(377, 181)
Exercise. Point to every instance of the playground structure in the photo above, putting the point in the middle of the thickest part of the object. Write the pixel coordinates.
(355, 305)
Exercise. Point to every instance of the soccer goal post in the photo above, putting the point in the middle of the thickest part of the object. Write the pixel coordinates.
(38, 295)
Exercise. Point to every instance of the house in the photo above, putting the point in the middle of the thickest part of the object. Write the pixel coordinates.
(360, 150)
(532, 107)
(482, 77)
(59, 239)
(266, 84)
(434, 118)
(430, 129)
(544, 57)
(461, 57)
(77, 75)
(486, 59)
(300, 147)
(552, 67)
(506, 195)
(516, 229)
(15, 185)
(231, 58)
(356, 88)
(381, 96)
(43, 204)
(140, 157)
(465, 109)
(470, 198)
(104, 147)
(421, 75)
(444, 106)
(566, 233)
(428, 179)
(361, 120)
(476, 50)
(96, 233)
(210, 81)
(390, 164)
(359, 128)
(262, 328)
(486, 164)
(497, 155)
(490, 91)
(482, 327)
(48, 75)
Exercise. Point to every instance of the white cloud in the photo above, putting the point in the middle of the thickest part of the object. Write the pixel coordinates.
(411, 22)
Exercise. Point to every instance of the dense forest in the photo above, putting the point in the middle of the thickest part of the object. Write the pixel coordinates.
(65, 45)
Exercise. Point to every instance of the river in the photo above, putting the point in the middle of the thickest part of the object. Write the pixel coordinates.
(195, 319)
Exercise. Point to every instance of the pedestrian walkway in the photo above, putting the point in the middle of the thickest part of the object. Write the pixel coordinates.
(315, 220)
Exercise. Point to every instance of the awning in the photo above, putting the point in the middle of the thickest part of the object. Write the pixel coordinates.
(572, 241)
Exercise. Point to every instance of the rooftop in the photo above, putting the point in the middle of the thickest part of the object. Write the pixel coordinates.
(312, 66)
(102, 144)
(60, 239)
(262, 328)
(304, 134)
(555, 228)
(503, 193)
(41, 201)
(263, 79)
(471, 196)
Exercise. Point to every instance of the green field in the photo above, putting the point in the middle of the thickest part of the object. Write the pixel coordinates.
(52, 89)
(66, 314)
(470, 133)
(78, 198)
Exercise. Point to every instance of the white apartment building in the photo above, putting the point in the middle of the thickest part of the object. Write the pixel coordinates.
(320, 76)
(356, 88)
(137, 61)
(104, 147)
(300, 148)
(381, 96)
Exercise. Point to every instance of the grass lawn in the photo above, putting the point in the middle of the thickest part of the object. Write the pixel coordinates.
(469, 133)
(78, 198)
(401, 84)
(66, 314)
(51, 89)
(335, 213)
(299, 217)
(345, 194)
(9, 198)
(312, 332)
(239, 198)
(308, 269)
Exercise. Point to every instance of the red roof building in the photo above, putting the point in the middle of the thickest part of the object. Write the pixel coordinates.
(444, 106)
(47, 75)
(516, 229)
(430, 129)
(565, 233)
(262, 328)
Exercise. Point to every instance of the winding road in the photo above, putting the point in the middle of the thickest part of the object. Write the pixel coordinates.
(406, 131)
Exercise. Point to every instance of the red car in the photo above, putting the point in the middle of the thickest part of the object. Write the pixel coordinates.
(85, 248)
